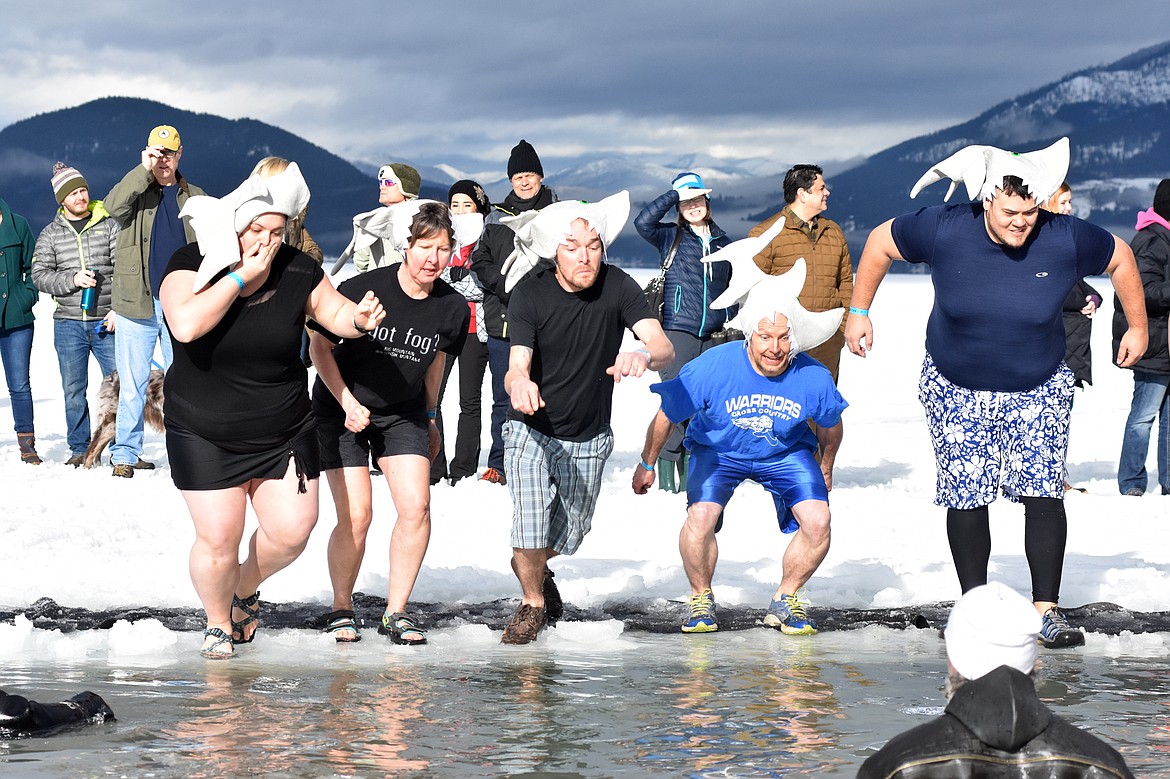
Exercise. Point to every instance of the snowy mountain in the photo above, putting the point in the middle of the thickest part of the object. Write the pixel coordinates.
(1117, 117)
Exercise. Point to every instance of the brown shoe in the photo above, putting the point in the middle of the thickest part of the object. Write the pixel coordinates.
(123, 470)
(494, 476)
(525, 624)
(28, 448)
(76, 460)
(143, 465)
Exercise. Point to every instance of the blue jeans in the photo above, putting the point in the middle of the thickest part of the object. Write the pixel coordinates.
(498, 349)
(16, 354)
(75, 340)
(1150, 398)
(134, 350)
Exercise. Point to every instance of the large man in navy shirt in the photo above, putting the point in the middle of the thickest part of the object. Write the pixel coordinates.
(994, 385)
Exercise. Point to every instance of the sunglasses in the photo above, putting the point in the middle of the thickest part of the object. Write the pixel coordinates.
(388, 183)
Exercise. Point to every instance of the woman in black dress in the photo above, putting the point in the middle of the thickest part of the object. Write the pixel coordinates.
(239, 424)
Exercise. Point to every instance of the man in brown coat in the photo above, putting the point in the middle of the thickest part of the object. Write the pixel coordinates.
(821, 243)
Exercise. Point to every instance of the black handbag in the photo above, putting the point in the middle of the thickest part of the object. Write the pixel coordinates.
(655, 291)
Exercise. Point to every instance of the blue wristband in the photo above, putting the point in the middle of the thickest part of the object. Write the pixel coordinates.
(644, 465)
(859, 311)
(237, 278)
(431, 413)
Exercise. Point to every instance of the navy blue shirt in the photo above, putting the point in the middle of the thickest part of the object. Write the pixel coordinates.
(996, 322)
(166, 236)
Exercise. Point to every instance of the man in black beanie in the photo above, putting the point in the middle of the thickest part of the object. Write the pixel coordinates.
(495, 244)
(1151, 373)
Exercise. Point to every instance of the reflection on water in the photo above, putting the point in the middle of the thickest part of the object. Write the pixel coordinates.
(580, 703)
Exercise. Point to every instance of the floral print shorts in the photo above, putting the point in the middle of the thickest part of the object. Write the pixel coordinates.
(986, 441)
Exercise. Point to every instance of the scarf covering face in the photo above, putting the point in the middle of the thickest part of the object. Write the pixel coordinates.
(761, 296)
(218, 222)
(387, 222)
(539, 233)
(982, 168)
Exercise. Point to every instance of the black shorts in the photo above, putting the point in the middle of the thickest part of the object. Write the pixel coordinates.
(198, 463)
(387, 435)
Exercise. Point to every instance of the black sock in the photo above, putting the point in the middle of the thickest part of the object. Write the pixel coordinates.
(1045, 533)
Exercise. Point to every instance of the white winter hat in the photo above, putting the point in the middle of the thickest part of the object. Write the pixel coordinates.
(538, 233)
(982, 168)
(990, 626)
(218, 222)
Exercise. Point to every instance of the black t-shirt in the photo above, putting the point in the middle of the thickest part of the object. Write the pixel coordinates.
(386, 369)
(244, 381)
(574, 336)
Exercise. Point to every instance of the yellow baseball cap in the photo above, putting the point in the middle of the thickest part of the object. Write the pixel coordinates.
(165, 136)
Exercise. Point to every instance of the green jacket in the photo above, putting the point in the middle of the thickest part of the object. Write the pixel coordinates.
(133, 203)
(18, 295)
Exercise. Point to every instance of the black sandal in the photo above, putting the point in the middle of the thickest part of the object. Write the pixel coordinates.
(342, 619)
(400, 627)
(213, 651)
(246, 605)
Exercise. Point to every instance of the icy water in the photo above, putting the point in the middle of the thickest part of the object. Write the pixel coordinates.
(587, 700)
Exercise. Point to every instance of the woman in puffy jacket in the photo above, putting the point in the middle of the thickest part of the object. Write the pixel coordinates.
(691, 285)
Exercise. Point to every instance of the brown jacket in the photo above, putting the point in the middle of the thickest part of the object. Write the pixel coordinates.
(829, 283)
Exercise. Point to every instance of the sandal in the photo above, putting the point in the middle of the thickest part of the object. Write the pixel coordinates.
(402, 629)
(213, 651)
(342, 620)
(253, 615)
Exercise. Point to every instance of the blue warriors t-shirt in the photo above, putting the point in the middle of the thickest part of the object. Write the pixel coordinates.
(997, 322)
(739, 413)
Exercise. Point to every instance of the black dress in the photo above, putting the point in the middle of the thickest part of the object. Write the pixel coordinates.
(236, 399)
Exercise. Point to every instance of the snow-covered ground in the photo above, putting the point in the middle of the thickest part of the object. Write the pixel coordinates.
(87, 539)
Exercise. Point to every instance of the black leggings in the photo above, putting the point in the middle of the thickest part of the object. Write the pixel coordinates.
(1045, 532)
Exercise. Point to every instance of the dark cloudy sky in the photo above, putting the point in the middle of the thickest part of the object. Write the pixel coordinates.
(434, 81)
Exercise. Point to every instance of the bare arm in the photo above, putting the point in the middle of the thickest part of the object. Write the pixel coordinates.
(518, 383)
(357, 416)
(340, 315)
(879, 253)
(829, 440)
(657, 352)
(432, 382)
(1127, 282)
(656, 434)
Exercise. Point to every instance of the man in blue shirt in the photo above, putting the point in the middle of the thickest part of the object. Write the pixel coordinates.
(749, 404)
(994, 384)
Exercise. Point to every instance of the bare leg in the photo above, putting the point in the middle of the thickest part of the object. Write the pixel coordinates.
(697, 545)
(808, 547)
(408, 476)
(286, 518)
(528, 565)
(218, 516)
(352, 498)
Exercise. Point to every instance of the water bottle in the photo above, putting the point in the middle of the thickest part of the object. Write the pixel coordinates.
(89, 299)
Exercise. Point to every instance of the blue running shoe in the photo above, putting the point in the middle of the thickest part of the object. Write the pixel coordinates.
(787, 615)
(702, 619)
(1056, 633)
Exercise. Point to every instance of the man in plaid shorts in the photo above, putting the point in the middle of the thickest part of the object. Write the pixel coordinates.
(567, 319)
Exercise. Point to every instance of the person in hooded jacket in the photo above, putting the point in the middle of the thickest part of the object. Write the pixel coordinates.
(1151, 373)
(995, 724)
(689, 287)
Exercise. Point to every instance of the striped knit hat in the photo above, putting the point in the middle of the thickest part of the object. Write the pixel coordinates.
(65, 180)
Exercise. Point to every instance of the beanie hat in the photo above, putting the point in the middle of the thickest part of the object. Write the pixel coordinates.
(990, 626)
(405, 176)
(474, 191)
(689, 186)
(524, 159)
(165, 136)
(1162, 199)
(65, 180)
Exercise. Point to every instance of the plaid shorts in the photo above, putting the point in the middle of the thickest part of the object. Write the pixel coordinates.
(988, 441)
(554, 486)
